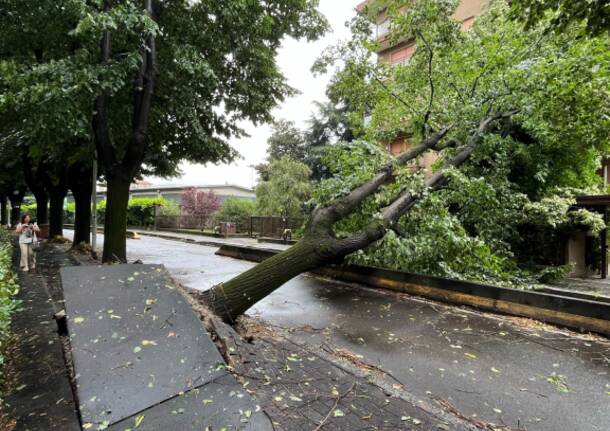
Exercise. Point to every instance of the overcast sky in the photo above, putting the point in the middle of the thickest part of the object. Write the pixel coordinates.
(295, 59)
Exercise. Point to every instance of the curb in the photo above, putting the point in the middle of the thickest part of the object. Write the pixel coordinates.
(558, 307)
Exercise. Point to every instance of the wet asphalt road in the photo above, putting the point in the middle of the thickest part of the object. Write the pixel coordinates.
(487, 367)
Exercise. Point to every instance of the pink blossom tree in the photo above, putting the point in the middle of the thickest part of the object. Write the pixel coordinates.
(200, 204)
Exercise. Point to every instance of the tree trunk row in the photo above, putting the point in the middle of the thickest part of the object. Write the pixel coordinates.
(3, 210)
(16, 199)
(80, 182)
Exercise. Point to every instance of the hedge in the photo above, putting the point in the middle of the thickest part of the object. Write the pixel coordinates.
(140, 211)
(8, 289)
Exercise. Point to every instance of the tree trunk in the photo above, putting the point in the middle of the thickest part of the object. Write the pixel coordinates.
(16, 198)
(80, 182)
(115, 222)
(36, 177)
(3, 210)
(82, 217)
(15, 213)
(58, 190)
(56, 212)
(229, 300)
(42, 203)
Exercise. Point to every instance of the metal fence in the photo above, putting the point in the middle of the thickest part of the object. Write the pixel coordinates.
(273, 227)
(185, 222)
(258, 226)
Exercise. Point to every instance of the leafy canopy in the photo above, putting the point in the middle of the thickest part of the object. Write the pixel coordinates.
(286, 191)
(216, 68)
(556, 82)
(594, 15)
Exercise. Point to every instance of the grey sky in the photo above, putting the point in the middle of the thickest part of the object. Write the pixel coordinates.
(295, 60)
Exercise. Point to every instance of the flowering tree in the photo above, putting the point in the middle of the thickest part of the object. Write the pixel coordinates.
(200, 203)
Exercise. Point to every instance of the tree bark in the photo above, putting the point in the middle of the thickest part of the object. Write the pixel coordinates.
(16, 198)
(80, 183)
(42, 207)
(36, 178)
(56, 212)
(3, 210)
(229, 300)
(58, 190)
(115, 222)
(82, 218)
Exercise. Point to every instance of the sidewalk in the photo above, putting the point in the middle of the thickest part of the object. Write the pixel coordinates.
(43, 397)
(303, 389)
(295, 387)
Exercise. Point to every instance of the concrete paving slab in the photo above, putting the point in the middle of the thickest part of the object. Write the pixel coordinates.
(220, 404)
(135, 341)
(42, 398)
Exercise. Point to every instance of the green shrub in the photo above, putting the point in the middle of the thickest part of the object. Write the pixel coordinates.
(69, 212)
(140, 211)
(29, 208)
(8, 289)
(169, 208)
(234, 210)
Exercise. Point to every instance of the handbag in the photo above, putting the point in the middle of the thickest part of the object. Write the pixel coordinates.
(35, 243)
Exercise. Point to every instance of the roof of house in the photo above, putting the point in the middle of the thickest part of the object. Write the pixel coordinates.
(178, 187)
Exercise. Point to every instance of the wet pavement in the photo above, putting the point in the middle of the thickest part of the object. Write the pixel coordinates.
(595, 286)
(210, 240)
(505, 371)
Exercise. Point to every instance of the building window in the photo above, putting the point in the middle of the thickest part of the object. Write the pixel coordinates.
(383, 28)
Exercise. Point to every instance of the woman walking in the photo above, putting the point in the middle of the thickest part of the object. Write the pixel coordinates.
(27, 237)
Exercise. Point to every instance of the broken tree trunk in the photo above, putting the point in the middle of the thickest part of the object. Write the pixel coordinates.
(319, 246)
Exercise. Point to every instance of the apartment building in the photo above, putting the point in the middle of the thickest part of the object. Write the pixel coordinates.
(399, 53)
(578, 251)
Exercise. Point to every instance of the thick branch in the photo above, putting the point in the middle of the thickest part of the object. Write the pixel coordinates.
(143, 95)
(103, 141)
(341, 207)
(404, 202)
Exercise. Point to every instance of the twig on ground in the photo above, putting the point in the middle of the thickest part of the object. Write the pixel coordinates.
(337, 399)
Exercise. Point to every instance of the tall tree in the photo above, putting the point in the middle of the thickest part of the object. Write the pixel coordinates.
(200, 204)
(330, 124)
(287, 189)
(463, 95)
(182, 62)
(154, 82)
(43, 102)
(286, 140)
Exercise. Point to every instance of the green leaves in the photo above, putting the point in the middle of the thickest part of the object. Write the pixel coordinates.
(286, 190)
(8, 289)
(514, 189)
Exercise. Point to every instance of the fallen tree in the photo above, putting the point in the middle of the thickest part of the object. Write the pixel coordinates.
(320, 245)
(474, 84)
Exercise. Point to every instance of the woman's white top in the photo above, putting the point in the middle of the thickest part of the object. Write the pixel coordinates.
(27, 236)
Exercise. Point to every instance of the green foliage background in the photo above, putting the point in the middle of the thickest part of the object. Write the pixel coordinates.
(509, 209)
(8, 289)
